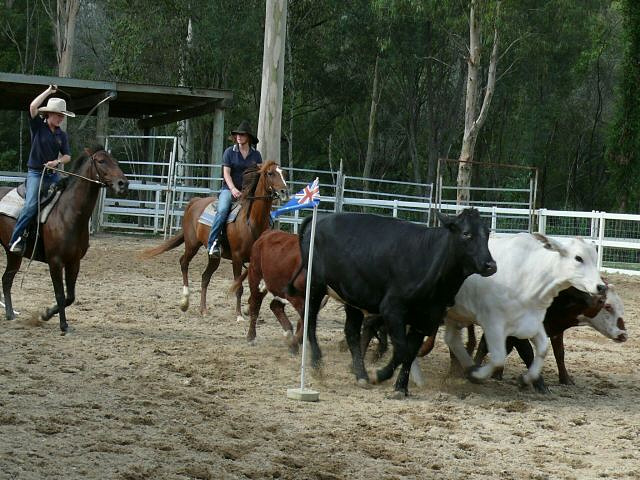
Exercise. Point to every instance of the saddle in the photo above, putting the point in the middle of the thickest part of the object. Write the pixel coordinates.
(13, 202)
(209, 213)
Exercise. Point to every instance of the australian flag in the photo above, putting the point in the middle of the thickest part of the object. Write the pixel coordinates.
(308, 197)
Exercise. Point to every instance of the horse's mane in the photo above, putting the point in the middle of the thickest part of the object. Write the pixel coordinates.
(250, 179)
(76, 164)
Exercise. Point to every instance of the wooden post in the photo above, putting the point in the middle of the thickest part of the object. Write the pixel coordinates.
(102, 130)
(217, 146)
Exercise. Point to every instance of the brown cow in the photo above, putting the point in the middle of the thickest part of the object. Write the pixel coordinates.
(275, 256)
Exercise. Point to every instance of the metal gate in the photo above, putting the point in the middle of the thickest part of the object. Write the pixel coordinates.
(505, 193)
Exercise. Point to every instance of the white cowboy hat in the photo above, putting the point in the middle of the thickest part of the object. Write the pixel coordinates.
(56, 105)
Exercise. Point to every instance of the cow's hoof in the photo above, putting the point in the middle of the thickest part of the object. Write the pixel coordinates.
(469, 374)
(398, 395)
(568, 380)
(66, 331)
(522, 383)
(363, 383)
(540, 387)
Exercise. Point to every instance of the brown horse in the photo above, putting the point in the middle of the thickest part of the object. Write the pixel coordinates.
(260, 188)
(64, 238)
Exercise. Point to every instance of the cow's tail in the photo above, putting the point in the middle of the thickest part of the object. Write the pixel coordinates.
(171, 243)
(291, 289)
(238, 282)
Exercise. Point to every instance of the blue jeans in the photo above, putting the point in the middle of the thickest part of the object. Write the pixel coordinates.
(30, 209)
(224, 207)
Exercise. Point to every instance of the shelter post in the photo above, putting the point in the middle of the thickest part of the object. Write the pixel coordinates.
(217, 146)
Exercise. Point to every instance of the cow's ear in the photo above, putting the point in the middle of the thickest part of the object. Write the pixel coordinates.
(550, 244)
(446, 221)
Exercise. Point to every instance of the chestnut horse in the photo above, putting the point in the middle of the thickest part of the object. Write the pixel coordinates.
(64, 238)
(260, 188)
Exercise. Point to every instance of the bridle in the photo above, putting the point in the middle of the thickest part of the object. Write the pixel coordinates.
(273, 195)
(99, 181)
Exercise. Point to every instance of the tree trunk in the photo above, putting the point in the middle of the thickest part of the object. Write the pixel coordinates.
(65, 29)
(185, 133)
(472, 125)
(269, 124)
(371, 138)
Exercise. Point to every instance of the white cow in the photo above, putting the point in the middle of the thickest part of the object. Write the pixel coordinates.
(532, 270)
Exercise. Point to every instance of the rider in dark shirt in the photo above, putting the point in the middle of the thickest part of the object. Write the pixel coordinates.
(49, 147)
(235, 160)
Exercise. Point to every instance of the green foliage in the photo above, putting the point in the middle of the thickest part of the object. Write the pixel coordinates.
(553, 107)
(624, 139)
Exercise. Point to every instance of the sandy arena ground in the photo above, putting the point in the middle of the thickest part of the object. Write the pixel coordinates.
(141, 390)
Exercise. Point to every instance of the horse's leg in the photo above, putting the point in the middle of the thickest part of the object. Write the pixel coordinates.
(55, 270)
(237, 271)
(212, 266)
(185, 259)
(70, 277)
(13, 265)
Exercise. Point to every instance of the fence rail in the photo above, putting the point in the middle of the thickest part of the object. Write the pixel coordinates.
(157, 205)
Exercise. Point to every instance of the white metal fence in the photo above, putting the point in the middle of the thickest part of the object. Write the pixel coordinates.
(160, 190)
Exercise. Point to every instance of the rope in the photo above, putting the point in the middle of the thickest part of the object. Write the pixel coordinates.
(35, 243)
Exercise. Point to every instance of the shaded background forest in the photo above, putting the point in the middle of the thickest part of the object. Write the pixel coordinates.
(566, 98)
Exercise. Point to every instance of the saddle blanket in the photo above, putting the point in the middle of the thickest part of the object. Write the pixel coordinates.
(209, 213)
(12, 203)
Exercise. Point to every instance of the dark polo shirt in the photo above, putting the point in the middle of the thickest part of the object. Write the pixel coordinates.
(45, 144)
(233, 158)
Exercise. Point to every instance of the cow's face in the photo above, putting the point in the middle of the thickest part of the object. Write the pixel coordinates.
(609, 319)
(578, 263)
(471, 238)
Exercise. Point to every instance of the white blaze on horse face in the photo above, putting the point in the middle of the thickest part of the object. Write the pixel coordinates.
(279, 170)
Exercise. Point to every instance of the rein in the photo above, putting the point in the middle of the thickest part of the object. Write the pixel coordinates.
(99, 182)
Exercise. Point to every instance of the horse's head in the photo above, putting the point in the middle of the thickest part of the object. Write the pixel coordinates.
(108, 171)
(274, 180)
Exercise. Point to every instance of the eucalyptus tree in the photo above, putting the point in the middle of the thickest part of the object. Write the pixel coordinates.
(624, 143)
(270, 120)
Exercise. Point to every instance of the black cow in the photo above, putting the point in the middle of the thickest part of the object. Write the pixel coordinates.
(406, 272)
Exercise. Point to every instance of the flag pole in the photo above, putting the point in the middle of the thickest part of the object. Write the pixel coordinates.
(303, 393)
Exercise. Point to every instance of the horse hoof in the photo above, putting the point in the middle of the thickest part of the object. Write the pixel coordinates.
(239, 318)
(252, 342)
(184, 306)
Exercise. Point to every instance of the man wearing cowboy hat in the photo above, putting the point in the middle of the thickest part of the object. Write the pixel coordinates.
(235, 160)
(49, 148)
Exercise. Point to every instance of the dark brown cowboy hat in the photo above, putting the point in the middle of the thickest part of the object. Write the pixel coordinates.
(245, 127)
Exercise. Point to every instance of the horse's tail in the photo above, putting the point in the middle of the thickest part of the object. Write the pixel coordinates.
(291, 289)
(171, 243)
(237, 283)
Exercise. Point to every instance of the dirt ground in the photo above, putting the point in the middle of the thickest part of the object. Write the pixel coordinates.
(141, 390)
